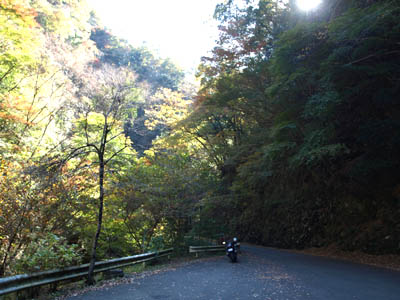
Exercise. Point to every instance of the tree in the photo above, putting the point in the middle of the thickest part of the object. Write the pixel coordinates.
(299, 113)
(107, 100)
(156, 72)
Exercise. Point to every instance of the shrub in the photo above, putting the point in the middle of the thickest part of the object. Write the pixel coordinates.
(46, 253)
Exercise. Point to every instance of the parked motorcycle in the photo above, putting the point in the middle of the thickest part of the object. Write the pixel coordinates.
(232, 250)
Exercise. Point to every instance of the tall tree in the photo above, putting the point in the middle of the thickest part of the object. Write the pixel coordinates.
(107, 100)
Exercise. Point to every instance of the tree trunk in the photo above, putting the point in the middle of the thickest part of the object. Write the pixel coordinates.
(90, 279)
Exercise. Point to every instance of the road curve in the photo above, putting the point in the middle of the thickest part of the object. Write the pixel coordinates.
(261, 273)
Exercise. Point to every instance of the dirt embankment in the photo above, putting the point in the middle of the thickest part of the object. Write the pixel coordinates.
(389, 261)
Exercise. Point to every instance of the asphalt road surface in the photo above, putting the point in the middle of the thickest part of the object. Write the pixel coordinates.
(261, 273)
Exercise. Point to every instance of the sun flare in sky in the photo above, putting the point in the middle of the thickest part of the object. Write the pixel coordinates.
(307, 5)
(182, 30)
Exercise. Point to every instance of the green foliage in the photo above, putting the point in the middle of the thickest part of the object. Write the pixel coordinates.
(47, 253)
(318, 120)
(157, 243)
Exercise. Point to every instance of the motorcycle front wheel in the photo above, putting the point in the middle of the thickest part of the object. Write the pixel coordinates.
(233, 257)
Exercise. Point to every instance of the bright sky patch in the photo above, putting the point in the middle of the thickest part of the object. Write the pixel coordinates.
(307, 5)
(180, 29)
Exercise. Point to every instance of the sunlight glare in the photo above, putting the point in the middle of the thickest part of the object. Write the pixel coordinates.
(307, 5)
(182, 30)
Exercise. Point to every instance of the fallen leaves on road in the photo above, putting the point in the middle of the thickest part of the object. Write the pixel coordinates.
(131, 278)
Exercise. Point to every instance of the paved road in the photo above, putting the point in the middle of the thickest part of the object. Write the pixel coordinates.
(261, 273)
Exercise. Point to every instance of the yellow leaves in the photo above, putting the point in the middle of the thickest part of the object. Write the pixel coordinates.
(64, 19)
(34, 84)
(20, 8)
(169, 108)
(150, 152)
(95, 118)
(98, 120)
(19, 40)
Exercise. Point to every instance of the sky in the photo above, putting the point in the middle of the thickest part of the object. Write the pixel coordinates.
(308, 4)
(182, 30)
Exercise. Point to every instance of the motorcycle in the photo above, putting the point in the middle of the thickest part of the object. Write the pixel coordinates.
(232, 250)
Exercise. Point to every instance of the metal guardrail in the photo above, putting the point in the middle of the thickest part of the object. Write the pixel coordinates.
(212, 240)
(215, 248)
(197, 249)
(25, 281)
(194, 249)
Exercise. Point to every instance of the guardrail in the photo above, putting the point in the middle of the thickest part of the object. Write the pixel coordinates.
(25, 281)
(197, 249)
(214, 248)
(211, 240)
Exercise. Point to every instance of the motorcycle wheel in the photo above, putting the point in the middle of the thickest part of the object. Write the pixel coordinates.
(234, 257)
